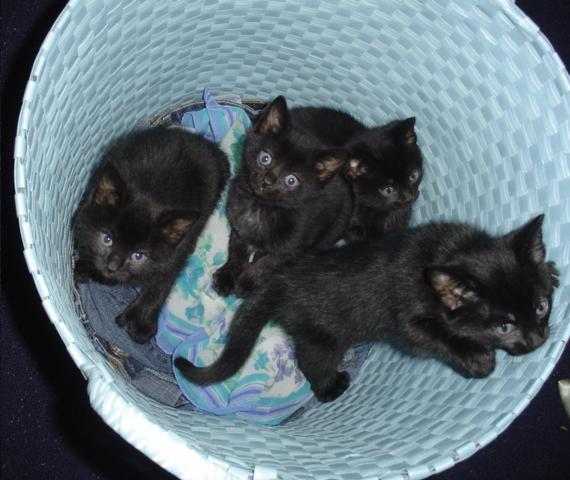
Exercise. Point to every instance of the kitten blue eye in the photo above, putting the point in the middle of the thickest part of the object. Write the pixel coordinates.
(106, 239)
(291, 180)
(387, 190)
(138, 256)
(264, 158)
(542, 307)
(414, 176)
(505, 328)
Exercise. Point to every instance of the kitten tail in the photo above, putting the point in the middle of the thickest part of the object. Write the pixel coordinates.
(246, 326)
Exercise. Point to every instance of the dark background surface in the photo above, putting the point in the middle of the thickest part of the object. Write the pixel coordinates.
(48, 429)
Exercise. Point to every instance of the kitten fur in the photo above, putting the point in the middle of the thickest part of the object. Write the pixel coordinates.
(385, 169)
(142, 212)
(448, 291)
(287, 199)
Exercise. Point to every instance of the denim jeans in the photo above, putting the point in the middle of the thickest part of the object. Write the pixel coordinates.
(145, 365)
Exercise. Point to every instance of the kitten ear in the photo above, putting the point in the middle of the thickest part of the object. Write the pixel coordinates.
(329, 162)
(448, 285)
(110, 188)
(275, 118)
(527, 241)
(403, 131)
(175, 223)
(356, 168)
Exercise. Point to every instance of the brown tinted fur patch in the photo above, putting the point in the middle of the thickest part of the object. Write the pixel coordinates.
(356, 168)
(106, 193)
(272, 123)
(450, 299)
(176, 230)
(326, 167)
(450, 291)
(411, 138)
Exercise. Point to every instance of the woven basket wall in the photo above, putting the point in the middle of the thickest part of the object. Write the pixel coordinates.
(492, 102)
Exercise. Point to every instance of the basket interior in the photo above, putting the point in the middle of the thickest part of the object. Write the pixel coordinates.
(492, 105)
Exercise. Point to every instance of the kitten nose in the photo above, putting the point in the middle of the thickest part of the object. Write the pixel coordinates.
(408, 197)
(268, 180)
(114, 263)
(535, 339)
(544, 332)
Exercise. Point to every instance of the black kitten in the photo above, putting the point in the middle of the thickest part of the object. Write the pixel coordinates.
(385, 169)
(447, 291)
(142, 213)
(287, 199)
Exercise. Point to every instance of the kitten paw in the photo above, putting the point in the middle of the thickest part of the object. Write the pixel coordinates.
(356, 233)
(554, 273)
(245, 285)
(81, 273)
(478, 365)
(122, 319)
(224, 283)
(141, 332)
(141, 326)
(338, 387)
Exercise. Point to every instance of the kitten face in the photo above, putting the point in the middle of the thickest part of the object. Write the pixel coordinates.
(122, 248)
(500, 292)
(124, 240)
(386, 166)
(283, 165)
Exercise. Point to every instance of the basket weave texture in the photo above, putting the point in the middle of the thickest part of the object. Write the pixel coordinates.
(492, 102)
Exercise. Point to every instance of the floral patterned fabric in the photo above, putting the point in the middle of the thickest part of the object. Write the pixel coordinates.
(194, 323)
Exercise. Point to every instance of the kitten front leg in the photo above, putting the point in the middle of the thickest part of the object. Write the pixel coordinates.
(289, 245)
(225, 277)
(469, 358)
(141, 317)
(82, 271)
(473, 361)
(253, 276)
(356, 232)
(373, 224)
(250, 277)
(319, 362)
(395, 219)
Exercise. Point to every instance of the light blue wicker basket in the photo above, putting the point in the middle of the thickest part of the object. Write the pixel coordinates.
(492, 102)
